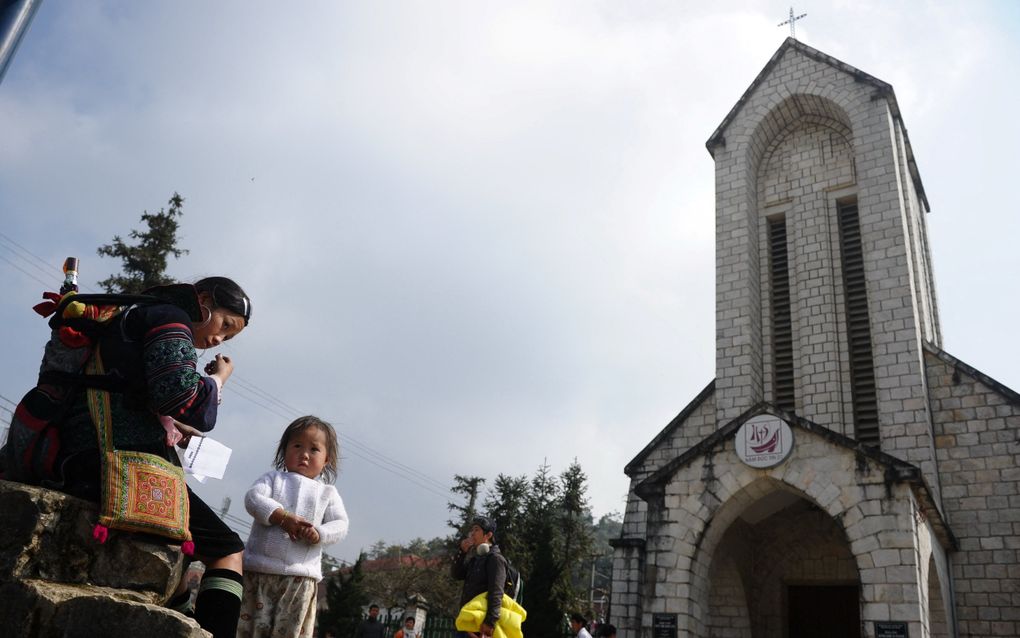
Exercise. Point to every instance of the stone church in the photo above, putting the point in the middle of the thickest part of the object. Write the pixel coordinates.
(842, 475)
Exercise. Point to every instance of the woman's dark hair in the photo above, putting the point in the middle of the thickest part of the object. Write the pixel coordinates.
(227, 294)
(301, 424)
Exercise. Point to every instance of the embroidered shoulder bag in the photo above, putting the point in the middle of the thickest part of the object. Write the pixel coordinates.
(140, 492)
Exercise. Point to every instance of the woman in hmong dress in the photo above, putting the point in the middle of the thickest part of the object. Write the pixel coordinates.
(148, 350)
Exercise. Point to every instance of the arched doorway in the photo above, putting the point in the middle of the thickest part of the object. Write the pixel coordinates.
(783, 569)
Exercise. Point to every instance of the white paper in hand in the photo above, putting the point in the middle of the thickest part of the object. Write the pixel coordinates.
(204, 457)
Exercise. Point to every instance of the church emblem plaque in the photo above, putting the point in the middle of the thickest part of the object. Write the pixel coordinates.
(764, 441)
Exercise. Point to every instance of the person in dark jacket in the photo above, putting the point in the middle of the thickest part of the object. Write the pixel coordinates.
(482, 567)
(371, 627)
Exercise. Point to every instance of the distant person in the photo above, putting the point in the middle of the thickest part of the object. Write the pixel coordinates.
(482, 567)
(577, 625)
(408, 630)
(297, 511)
(605, 630)
(371, 627)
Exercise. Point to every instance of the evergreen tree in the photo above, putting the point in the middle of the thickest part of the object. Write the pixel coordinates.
(144, 264)
(505, 504)
(469, 487)
(345, 598)
(577, 538)
(542, 591)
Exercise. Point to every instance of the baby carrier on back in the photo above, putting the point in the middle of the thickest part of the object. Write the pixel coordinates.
(77, 324)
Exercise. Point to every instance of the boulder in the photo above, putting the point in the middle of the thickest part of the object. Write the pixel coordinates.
(56, 581)
(41, 609)
(47, 535)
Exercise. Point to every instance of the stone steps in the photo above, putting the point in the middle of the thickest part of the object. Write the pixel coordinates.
(56, 581)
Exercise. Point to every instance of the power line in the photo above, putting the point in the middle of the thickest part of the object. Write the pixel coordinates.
(35, 277)
(359, 448)
(40, 264)
(256, 395)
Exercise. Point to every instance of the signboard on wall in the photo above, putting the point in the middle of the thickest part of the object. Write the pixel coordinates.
(664, 625)
(890, 629)
(764, 440)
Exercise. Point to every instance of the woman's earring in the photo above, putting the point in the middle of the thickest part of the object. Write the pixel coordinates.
(207, 319)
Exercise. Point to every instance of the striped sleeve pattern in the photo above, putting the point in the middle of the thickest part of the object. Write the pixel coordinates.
(175, 386)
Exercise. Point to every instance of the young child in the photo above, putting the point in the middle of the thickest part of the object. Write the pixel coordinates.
(295, 515)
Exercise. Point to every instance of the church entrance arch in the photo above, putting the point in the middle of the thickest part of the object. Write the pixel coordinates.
(781, 568)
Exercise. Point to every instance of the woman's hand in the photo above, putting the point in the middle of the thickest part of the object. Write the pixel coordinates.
(186, 433)
(221, 367)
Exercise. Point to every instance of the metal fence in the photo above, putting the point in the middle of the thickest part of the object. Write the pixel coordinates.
(438, 626)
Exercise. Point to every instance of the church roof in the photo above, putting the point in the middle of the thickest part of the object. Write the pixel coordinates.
(896, 470)
(882, 90)
(1011, 396)
(677, 421)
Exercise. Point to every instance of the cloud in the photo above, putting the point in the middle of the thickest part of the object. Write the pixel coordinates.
(478, 237)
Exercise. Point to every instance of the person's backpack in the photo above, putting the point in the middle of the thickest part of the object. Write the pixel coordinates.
(514, 587)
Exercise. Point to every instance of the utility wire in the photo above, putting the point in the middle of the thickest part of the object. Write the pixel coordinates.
(359, 448)
(31, 275)
(256, 395)
(39, 263)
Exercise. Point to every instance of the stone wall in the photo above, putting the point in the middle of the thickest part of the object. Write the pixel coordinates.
(56, 581)
(977, 426)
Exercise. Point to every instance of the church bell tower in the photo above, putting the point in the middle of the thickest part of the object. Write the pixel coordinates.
(824, 289)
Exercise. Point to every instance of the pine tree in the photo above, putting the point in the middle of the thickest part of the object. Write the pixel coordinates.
(542, 534)
(505, 504)
(144, 264)
(469, 487)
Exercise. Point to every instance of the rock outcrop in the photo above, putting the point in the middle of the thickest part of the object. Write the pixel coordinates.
(55, 580)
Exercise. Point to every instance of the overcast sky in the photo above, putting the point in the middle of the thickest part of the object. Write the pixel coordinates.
(478, 236)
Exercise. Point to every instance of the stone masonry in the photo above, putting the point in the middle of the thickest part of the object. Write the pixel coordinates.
(916, 531)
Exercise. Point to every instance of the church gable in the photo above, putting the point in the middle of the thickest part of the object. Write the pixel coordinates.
(693, 423)
(824, 443)
(832, 79)
(834, 511)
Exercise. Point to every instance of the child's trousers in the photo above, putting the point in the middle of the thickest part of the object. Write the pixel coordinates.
(275, 606)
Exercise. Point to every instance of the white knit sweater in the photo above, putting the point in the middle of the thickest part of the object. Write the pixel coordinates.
(269, 549)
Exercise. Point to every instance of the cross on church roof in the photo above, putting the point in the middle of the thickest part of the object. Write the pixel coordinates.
(790, 21)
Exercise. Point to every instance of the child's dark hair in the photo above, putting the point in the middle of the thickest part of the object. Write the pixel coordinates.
(332, 446)
(227, 294)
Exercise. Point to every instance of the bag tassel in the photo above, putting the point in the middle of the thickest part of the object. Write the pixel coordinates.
(100, 533)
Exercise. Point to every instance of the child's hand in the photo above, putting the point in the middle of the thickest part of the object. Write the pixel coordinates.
(295, 526)
(310, 534)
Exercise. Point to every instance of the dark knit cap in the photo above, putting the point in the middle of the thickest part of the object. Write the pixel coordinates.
(487, 524)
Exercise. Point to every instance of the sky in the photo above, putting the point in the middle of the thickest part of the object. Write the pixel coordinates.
(478, 236)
